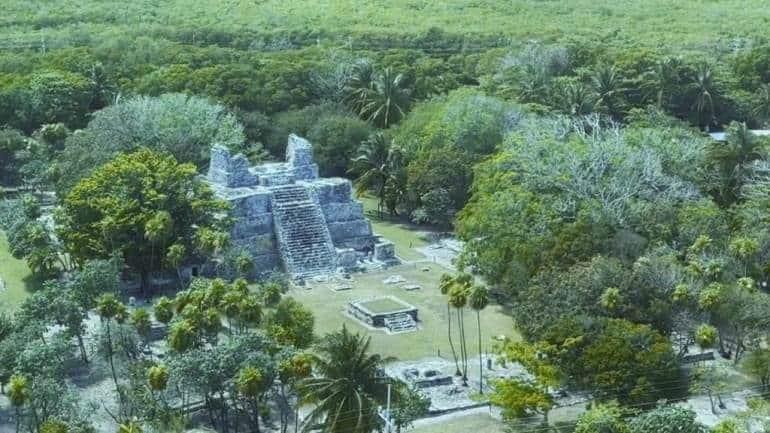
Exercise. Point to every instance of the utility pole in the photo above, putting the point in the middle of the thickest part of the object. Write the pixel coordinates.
(385, 415)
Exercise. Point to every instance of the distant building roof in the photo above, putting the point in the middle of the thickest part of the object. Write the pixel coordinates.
(722, 136)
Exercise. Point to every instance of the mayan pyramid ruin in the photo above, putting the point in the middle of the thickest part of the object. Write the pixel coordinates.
(288, 218)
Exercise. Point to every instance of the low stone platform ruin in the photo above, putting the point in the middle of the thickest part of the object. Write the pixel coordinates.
(388, 312)
(286, 216)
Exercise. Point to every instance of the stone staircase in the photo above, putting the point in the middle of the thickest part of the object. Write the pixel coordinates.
(304, 241)
(401, 322)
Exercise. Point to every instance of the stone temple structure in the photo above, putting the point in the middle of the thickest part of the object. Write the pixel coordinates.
(287, 217)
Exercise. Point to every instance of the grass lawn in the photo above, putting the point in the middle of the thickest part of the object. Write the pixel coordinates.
(16, 276)
(404, 235)
(384, 305)
(329, 306)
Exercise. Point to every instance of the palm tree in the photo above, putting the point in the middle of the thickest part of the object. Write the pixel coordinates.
(18, 394)
(478, 299)
(732, 159)
(378, 98)
(371, 164)
(661, 81)
(347, 388)
(156, 230)
(705, 90)
(458, 298)
(445, 285)
(608, 86)
(761, 109)
(109, 307)
(577, 99)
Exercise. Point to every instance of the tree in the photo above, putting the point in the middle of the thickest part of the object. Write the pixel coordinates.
(608, 85)
(730, 163)
(111, 211)
(661, 81)
(291, 323)
(182, 125)
(666, 419)
(347, 388)
(250, 384)
(446, 283)
(109, 309)
(704, 89)
(602, 419)
(381, 98)
(478, 299)
(519, 399)
(11, 142)
(163, 310)
(59, 96)
(757, 365)
(458, 299)
(18, 391)
(372, 168)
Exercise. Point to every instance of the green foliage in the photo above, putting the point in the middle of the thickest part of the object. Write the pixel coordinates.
(291, 323)
(157, 377)
(666, 419)
(602, 419)
(519, 399)
(115, 210)
(184, 126)
(346, 389)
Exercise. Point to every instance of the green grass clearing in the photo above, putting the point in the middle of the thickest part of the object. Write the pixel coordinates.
(16, 276)
(329, 307)
(404, 235)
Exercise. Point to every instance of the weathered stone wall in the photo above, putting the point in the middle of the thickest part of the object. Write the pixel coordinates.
(230, 171)
(251, 192)
(299, 155)
(344, 215)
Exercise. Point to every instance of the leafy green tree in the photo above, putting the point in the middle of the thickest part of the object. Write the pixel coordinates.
(519, 399)
(18, 394)
(140, 319)
(59, 96)
(757, 365)
(250, 384)
(182, 125)
(157, 377)
(111, 211)
(163, 310)
(666, 419)
(291, 323)
(346, 389)
(11, 142)
(602, 419)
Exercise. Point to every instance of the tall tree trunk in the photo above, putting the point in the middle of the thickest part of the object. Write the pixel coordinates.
(82, 346)
(451, 343)
(463, 347)
(481, 361)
